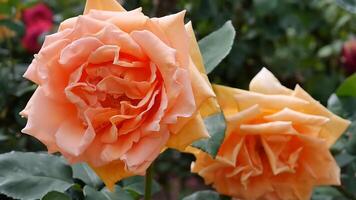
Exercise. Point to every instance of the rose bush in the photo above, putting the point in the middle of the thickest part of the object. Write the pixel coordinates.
(115, 88)
(276, 145)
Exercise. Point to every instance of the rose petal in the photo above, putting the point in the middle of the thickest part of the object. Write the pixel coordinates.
(266, 83)
(146, 150)
(72, 137)
(111, 5)
(192, 131)
(173, 26)
(78, 52)
(38, 109)
(277, 127)
(194, 49)
(297, 117)
(112, 172)
(334, 128)
(246, 99)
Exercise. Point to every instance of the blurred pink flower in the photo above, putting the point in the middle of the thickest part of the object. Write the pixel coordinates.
(349, 56)
(37, 13)
(30, 41)
(38, 20)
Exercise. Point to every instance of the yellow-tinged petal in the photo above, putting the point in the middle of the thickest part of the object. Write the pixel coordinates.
(297, 117)
(226, 99)
(194, 49)
(334, 128)
(235, 120)
(192, 131)
(278, 127)
(247, 99)
(266, 83)
(173, 27)
(204, 95)
(109, 5)
(112, 173)
(210, 105)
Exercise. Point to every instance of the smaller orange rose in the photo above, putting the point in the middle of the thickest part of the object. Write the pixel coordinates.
(276, 145)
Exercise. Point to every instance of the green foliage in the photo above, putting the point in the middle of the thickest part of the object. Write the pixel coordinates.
(349, 5)
(105, 194)
(206, 195)
(217, 45)
(83, 172)
(31, 176)
(343, 103)
(216, 127)
(55, 196)
(348, 88)
(299, 41)
(327, 193)
(136, 185)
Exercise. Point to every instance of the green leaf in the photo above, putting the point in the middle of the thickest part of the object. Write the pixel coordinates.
(348, 87)
(136, 184)
(56, 196)
(349, 5)
(351, 144)
(343, 106)
(216, 127)
(83, 172)
(206, 195)
(32, 175)
(217, 45)
(327, 193)
(92, 194)
(344, 159)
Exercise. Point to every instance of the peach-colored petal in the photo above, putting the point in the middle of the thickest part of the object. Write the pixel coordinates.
(111, 35)
(246, 99)
(194, 49)
(277, 127)
(266, 83)
(111, 5)
(73, 138)
(115, 85)
(112, 172)
(126, 21)
(176, 80)
(226, 99)
(105, 53)
(147, 149)
(43, 68)
(124, 143)
(78, 51)
(38, 109)
(173, 27)
(297, 117)
(202, 89)
(235, 120)
(230, 148)
(193, 130)
(334, 128)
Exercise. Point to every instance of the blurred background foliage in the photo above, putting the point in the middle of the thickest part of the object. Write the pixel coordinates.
(300, 41)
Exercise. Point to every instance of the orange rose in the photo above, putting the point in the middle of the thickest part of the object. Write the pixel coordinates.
(276, 145)
(116, 88)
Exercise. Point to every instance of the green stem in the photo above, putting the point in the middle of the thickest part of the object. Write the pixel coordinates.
(148, 183)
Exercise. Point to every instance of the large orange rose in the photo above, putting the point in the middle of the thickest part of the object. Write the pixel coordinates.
(116, 88)
(276, 145)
